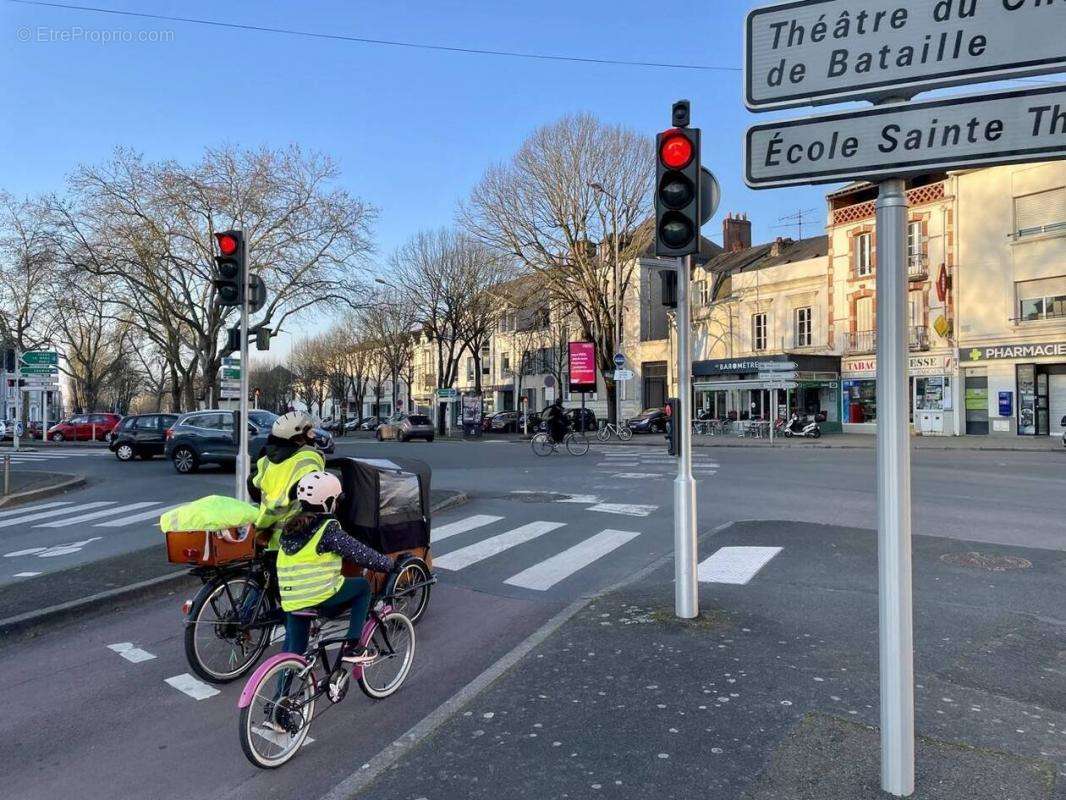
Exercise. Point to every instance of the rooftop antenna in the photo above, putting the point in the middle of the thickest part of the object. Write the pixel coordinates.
(797, 221)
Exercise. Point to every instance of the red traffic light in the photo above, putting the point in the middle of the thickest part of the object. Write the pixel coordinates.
(676, 150)
(227, 243)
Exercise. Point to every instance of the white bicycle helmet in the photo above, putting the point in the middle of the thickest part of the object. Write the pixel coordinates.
(319, 490)
(292, 425)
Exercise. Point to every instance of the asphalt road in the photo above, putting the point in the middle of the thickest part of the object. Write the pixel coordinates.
(85, 720)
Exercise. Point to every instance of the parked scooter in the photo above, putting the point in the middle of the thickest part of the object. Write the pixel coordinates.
(805, 429)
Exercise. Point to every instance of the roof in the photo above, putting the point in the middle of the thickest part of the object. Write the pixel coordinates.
(762, 256)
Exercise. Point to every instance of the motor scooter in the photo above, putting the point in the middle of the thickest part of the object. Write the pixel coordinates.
(805, 429)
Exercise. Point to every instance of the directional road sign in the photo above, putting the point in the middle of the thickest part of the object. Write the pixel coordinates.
(813, 52)
(229, 361)
(231, 373)
(777, 366)
(623, 374)
(35, 369)
(908, 138)
(40, 357)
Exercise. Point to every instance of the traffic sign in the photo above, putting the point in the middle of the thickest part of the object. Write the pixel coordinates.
(40, 357)
(230, 361)
(42, 369)
(231, 373)
(447, 394)
(777, 366)
(909, 138)
(813, 52)
(623, 374)
(619, 360)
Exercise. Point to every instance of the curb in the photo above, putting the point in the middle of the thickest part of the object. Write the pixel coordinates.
(21, 622)
(366, 775)
(44, 491)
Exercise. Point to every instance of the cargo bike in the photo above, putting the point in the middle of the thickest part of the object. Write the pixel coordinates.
(236, 614)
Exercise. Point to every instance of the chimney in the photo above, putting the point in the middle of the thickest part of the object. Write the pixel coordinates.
(779, 246)
(736, 233)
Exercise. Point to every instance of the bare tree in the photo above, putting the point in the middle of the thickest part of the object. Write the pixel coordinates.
(274, 384)
(389, 323)
(541, 208)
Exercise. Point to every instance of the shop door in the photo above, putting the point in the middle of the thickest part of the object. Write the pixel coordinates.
(1057, 401)
(976, 405)
(1043, 410)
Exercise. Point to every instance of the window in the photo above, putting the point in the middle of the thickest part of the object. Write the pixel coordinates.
(758, 332)
(470, 368)
(699, 293)
(915, 244)
(1042, 299)
(1042, 212)
(486, 360)
(862, 247)
(505, 363)
(803, 327)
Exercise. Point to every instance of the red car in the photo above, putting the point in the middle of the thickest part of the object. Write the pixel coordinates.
(81, 427)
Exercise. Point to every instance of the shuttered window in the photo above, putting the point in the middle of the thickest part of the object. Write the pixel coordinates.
(1040, 213)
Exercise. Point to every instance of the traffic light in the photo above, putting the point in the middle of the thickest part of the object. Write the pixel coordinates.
(673, 430)
(677, 189)
(262, 338)
(233, 339)
(229, 268)
(9, 361)
(669, 279)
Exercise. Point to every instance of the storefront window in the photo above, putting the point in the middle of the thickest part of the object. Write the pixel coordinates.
(929, 394)
(1027, 400)
(860, 401)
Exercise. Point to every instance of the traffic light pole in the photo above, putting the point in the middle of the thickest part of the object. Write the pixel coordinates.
(686, 587)
(243, 467)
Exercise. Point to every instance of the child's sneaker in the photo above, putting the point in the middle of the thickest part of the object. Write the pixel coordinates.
(355, 653)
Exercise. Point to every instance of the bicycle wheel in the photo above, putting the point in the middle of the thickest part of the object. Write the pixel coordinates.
(218, 647)
(386, 675)
(542, 444)
(625, 433)
(274, 725)
(604, 433)
(412, 603)
(577, 444)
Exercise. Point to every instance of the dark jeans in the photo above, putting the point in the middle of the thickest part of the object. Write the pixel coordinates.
(354, 593)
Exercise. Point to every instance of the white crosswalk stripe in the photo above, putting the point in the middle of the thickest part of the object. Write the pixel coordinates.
(37, 507)
(6, 523)
(472, 554)
(549, 572)
(463, 525)
(155, 513)
(626, 509)
(735, 565)
(107, 512)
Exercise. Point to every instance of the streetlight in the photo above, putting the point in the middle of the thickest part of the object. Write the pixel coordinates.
(599, 187)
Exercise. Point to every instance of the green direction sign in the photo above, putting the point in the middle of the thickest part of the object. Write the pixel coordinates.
(38, 369)
(229, 361)
(231, 373)
(41, 357)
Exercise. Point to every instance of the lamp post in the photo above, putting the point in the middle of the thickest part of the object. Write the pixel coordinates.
(599, 187)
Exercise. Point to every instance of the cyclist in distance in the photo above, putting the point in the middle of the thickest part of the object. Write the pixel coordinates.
(556, 421)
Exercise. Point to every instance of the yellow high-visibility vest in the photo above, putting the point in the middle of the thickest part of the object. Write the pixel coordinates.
(275, 481)
(307, 577)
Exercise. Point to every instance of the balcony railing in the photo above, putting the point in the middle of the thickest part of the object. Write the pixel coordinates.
(802, 343)
(866, 341)
(917, 267)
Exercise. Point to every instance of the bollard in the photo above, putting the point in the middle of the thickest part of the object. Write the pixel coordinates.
(7, 475)
(94, 432)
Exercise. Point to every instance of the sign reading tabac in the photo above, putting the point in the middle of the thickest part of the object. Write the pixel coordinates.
(582, 367)
(813, 52)
(903, 139)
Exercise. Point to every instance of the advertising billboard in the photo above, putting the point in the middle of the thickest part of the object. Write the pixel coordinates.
(582, 367)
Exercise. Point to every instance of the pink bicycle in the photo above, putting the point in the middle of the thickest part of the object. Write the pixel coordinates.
(277, 705)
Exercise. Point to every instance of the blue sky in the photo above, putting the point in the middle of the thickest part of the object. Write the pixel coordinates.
(412, 130)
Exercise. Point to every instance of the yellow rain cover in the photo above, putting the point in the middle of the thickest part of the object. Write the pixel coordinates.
(212, 513)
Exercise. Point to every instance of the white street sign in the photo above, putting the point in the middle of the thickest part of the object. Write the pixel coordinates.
(909, 138)
(623, 374)
(777, 366)
(814, 52)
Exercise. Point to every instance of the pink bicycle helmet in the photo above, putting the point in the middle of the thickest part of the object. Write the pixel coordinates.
(319, 490)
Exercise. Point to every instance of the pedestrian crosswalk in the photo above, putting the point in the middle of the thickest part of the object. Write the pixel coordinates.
(557, 556)
(46, 456)
(636, 463)
(95, 514)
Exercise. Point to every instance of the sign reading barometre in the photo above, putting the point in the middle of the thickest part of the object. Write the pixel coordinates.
(812, 52)
(908, 138)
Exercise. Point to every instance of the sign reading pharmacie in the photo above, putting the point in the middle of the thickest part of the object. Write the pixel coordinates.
(813, 52)
(1000, 352)
(901, 139)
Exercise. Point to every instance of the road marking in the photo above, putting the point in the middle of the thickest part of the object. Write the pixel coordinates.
(277, 737)
(462, 526)
(66, 549)
(634, 476)
(107, 512)
(38, 507)
(581, 499)
(154, 513)
(620, 464)
(53, 513)
(735, 565)
(629, 510)
(549, 572)
(472, 554)
(26, 574)
(130, 652)
(197, 690)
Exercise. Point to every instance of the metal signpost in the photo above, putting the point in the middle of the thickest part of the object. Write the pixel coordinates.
(243, 467)
(812, 52)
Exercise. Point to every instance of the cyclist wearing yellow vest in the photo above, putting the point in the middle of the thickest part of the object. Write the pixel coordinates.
(313, 547)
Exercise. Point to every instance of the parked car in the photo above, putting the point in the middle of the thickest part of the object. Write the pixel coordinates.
(573, 419)
(329, 424)
(415, 426)
(82, 427)
(651, 420)
(370, 423)
(30, 430)
(486, 421)
(535, 420)
(505, 422)
(209, 437)
(141, 436)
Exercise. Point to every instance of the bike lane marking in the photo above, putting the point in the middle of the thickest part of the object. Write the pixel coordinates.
(735, 565)
(131, 652)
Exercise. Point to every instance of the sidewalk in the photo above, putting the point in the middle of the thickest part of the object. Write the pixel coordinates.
(854, 441)
(29, 485)
(772, 694)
